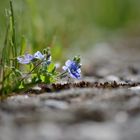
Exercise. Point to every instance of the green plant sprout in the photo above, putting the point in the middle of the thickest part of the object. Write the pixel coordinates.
(18, 71)
(41, 69)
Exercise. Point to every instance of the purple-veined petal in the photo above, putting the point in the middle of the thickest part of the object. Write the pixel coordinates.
(79, 70)
(25, 59)
(64, 68)
(39, 55)
(19, 58)
(28, 56)
(68, 63)
(75, 75)
(72, 76)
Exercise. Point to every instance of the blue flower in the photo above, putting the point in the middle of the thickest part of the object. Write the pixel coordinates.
(39, 55)
(25, 59)
(73, 69)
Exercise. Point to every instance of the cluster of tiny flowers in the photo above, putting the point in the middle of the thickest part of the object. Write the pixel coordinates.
(71, 68)
(28, 58)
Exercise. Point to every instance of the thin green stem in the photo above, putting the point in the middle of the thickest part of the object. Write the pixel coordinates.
(31, 71)
(62, 74)
(14, 49)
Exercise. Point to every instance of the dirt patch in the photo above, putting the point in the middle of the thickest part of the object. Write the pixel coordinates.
(83, 84)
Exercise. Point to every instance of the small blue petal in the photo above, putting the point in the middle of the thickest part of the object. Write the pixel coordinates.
(39, 55)
(28, 56)
(72, 76)
(79, 70)
(25, 59)
(65, 68)
(68, 63)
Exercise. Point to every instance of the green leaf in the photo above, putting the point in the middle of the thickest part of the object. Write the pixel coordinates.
(42, 77)
(51, 68)
(52, 80)
(35, 78)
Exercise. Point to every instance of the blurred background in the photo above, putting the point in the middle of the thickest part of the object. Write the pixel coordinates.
(71, 27)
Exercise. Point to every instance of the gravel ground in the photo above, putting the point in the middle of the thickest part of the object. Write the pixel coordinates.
(100, 114)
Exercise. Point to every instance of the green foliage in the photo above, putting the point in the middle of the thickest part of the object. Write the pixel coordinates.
(36, 68)
(9, 72)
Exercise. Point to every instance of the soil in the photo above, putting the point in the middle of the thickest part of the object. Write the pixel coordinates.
(104, 105)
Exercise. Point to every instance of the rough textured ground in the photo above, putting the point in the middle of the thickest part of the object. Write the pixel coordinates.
(90, 111)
